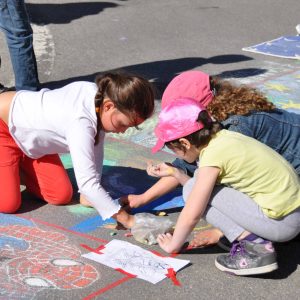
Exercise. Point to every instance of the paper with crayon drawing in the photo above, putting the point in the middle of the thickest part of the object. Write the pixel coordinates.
(136, 261)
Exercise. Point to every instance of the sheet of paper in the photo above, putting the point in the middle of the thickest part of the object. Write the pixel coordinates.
(135, 260)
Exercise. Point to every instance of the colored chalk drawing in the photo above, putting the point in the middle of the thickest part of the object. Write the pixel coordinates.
(81, 210)
(284, 46)
(92, 223)
(280, 83)
(284, 91)
(33, 259)
(116, 182)
(169, 201)
(289, 105)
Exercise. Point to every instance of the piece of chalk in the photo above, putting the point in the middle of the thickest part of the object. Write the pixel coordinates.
(162, 213)
(128, 234)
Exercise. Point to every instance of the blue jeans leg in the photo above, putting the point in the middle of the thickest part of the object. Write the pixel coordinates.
(19, 36)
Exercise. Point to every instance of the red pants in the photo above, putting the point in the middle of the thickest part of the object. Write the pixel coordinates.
(45, 177)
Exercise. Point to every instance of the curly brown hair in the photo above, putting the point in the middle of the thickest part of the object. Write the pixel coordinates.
(230, 100)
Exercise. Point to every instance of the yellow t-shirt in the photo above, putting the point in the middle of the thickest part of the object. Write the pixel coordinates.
(254, 169)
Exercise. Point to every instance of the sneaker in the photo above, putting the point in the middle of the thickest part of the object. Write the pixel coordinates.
(224, 243)
(248, 258)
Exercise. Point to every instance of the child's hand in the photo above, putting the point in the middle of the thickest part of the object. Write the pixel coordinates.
(165, 242)
(160, 170)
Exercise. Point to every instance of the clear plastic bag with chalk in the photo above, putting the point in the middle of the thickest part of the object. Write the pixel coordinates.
(147, 227)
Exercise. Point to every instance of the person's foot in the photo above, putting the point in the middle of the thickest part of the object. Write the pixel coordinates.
(248, 258)
(206, 238)
(84, 202)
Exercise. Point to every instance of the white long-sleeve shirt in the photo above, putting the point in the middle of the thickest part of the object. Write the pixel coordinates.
(61, 121)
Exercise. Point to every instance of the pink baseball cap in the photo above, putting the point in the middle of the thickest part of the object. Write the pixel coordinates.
(190, 84)
(177, 120)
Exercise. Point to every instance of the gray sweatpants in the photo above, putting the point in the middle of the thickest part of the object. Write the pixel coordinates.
(234, 212)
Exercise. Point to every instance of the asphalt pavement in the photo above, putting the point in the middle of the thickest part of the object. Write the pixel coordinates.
(41, 246)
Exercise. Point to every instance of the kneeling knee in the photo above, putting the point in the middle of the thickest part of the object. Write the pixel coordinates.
(9, 207)
(62, 196)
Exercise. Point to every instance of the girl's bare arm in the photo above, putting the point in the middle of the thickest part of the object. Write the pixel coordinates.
(193, 210)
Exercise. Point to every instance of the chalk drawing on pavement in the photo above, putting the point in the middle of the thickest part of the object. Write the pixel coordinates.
(33, 259)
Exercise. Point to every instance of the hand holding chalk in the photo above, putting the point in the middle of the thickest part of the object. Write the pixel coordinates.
(160, 170)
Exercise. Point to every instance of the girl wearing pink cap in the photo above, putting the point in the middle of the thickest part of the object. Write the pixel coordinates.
(240, 108)
(266, 206)
(36, 126)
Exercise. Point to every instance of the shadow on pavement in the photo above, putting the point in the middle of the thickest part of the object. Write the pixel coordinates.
(64, 13)
(162, 72)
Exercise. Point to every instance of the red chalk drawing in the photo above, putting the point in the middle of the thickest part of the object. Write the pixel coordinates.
(33, 259)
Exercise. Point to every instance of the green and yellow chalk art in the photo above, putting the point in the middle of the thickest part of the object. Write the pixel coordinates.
(284, 91)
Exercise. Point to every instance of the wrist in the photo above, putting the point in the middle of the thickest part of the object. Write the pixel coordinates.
(176, 173)
(171, 171)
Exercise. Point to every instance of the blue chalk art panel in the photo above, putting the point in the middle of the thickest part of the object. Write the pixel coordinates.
(284, 46)
(93, 222)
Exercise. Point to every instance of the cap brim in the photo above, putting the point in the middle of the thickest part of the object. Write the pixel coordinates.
(158, 146)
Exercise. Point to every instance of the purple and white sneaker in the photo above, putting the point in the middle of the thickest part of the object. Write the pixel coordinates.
(248, 258)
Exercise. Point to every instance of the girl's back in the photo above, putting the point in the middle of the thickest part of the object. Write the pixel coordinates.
(254, 169)
(278, 129)
(40, 121)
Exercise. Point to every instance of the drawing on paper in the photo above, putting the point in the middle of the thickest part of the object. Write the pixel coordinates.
(136, 261)
(140, 262)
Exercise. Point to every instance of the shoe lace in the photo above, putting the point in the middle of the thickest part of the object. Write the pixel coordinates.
(237, 248)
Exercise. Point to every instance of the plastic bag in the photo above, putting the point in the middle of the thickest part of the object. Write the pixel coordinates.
(147, 227)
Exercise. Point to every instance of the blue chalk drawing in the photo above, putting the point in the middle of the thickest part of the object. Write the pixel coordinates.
(284, 91)
(169, 201)
(12, 242)
(284, 46)
(6, 220)
(91, 224)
